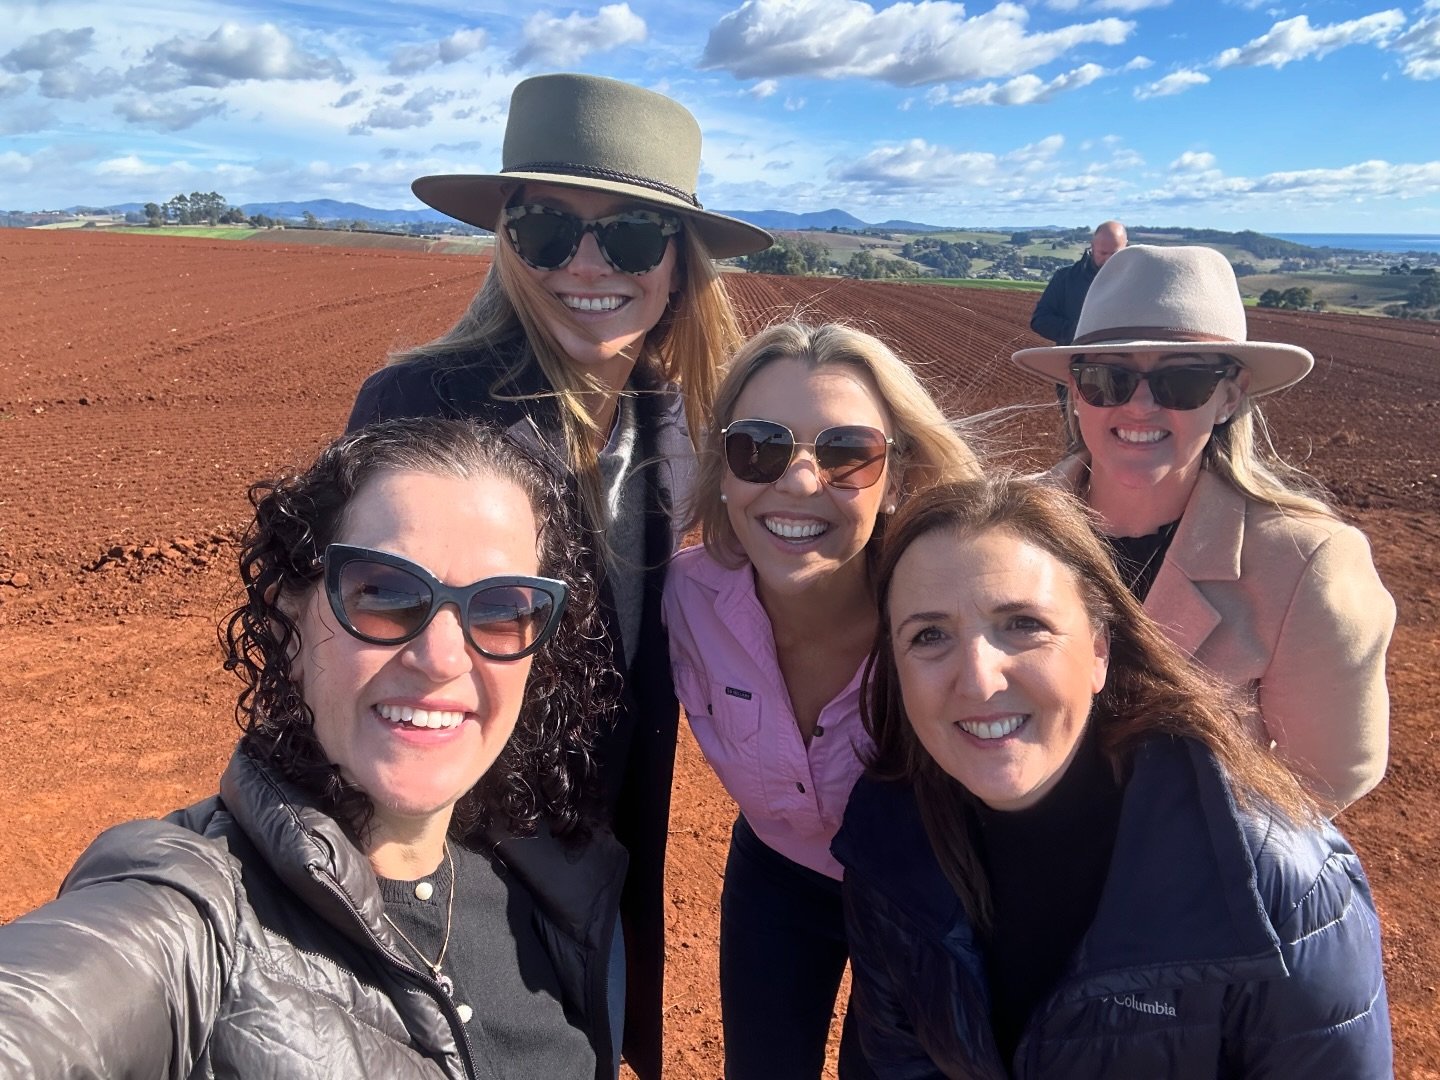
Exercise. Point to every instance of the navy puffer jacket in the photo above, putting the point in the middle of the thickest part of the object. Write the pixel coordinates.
(1226, 944)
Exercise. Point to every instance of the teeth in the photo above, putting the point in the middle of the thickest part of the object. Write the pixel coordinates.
(421, 718)
(592, 303)
(1149, 435)
(795, 530)
(992, 729)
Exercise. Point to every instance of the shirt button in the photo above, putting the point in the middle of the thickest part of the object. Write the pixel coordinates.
(819, 730)
(800, 787)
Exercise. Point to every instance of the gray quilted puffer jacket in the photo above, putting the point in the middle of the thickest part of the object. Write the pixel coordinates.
(243, 938)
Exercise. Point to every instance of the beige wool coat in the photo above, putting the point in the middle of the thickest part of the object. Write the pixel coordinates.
(1289, 607)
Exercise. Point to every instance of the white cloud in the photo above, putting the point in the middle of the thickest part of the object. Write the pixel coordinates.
(350, 97)
(462, 43)
(1295, 39)
(1129, 7)
(52, 49)
(1379, 181)
(905, 44)
(167, 115)
(233, 53)
(408, 59)
(49, 49)
(1193, 161)
(1025, 89)
(552, 42)
(920, 165)
(1420, 45)
(763, 89)
(1177, 82)
(417, 111)
(1140, 63)
(12, 86)
(27, 121)
(794, 104)
(75, 82)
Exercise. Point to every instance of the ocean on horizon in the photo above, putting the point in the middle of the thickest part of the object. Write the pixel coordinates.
(1398, 243)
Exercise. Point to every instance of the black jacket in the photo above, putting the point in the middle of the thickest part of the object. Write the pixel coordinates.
(637, 757)
(243, 937)
(1058, 310)
(1226, 944)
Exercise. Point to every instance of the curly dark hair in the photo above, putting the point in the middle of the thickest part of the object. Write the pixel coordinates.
(547, 768)
(1151, 688)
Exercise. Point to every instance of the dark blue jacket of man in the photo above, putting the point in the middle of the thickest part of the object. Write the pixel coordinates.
(1059, 308)
(1227, 943)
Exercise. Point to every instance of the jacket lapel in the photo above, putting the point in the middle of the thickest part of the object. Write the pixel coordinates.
(1206, 547)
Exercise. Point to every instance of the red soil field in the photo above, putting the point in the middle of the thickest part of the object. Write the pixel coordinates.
(145, 382)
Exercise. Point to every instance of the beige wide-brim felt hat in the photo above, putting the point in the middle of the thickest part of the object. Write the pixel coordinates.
(1169, 300)
(583, 131)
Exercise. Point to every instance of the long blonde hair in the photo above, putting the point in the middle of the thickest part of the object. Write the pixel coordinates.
(928, 448)
(686, 347)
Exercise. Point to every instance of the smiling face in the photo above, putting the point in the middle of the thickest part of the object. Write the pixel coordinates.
(461, 530)
(1145, 451)
(798, 532)
(997, 661)
(609, 311)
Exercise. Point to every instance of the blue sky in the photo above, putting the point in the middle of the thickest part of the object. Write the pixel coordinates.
(1317, 116)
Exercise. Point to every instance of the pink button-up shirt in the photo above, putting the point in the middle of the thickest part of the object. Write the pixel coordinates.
(728, 678)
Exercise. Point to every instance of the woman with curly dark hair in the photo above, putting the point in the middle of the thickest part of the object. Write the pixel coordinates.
(423, 676)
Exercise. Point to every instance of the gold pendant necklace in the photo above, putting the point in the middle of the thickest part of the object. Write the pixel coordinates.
(435, 972)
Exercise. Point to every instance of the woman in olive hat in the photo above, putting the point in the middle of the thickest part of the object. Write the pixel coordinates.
(597, 334)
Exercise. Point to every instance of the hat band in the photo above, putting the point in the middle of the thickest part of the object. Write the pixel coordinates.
(565, 168)
(1147, 333)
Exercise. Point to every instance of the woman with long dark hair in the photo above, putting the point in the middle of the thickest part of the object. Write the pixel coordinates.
(1069, 857)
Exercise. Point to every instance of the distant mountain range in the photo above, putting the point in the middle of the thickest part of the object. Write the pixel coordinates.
(332, 210)
(327, 211)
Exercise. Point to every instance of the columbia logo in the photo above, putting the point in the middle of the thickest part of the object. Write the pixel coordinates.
(1155, 1008)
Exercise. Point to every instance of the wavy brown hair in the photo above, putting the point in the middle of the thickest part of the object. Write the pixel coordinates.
(547, 767)
(1151, 688)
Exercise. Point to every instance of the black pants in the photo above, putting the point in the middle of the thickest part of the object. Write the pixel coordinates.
(782, 952)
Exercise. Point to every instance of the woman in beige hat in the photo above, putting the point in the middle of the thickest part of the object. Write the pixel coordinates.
(597, 334)
(1231, 550)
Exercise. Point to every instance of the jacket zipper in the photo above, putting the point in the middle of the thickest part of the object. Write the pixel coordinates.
(433, 988)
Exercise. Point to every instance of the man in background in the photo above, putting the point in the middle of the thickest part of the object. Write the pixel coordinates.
(1059, 308)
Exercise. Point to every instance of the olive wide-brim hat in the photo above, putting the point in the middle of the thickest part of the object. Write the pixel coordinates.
(583, 131)
(1169, 300)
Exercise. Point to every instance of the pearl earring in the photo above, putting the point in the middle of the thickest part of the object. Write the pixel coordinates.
(890, 508)
(724, 498)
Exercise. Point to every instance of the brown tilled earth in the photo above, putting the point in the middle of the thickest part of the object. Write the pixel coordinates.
(144, 382)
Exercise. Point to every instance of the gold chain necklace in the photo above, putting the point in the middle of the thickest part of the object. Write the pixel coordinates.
(435, 973)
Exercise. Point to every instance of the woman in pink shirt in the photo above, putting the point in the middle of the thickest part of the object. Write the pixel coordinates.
(820, 432)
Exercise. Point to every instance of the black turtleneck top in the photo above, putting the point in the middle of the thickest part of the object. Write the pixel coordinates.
(1046, 867)
(1139, 558)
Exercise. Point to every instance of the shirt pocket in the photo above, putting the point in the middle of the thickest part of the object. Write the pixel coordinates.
(729, 735)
